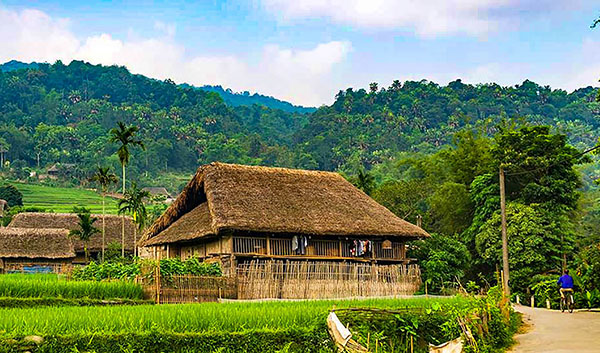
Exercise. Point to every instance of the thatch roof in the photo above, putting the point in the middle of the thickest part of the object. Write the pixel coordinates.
(275, 200)
(71, 221)
(155, 190)
(35, 243)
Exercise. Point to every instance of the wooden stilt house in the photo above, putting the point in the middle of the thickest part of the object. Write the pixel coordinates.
(237, 213)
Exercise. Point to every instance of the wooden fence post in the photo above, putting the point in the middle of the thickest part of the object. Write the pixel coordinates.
(157, 282)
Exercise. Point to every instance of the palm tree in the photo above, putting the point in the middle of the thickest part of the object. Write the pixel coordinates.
(365, 181)
(86, 228)
(133, 204)
(104, 177)
(125, 135)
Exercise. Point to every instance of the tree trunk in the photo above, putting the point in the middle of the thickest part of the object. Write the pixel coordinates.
(123, 219)
(134, 241)
(103, 225)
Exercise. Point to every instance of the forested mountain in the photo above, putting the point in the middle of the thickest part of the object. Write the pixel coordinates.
(420, 149)
(231, 98)
(245, 98)
(61, 113)
(17, 65)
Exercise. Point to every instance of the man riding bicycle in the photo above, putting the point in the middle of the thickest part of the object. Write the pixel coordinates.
(566, 284)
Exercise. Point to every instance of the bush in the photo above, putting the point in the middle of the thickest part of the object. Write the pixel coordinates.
(546, 289)
(438, 323)
(11, 194)
(251, 341)
(191, 266)
(106, 270)
(128, 271)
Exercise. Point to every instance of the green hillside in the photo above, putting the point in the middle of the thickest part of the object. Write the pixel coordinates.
(59, 199)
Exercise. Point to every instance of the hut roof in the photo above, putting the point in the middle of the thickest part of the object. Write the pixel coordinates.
(35, 243)
(154, 190)
(71, 221)
(277, 200)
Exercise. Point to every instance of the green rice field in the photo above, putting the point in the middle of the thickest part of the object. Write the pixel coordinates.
(53, 286)
(185, 318)
(62, 200)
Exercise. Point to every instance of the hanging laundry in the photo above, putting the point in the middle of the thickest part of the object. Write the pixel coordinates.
(294, 243)
(302, 243)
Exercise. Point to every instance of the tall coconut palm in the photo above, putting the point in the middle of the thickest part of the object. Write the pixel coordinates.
(104, 177)
(365, 181)
(86, 228)
(125, 135)
(133, 204)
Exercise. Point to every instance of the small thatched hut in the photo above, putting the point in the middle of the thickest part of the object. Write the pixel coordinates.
(237, 213)
(35, 249)
(159, 191)
(70, 221)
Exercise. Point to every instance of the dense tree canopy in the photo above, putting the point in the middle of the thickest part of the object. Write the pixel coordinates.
(61, 113)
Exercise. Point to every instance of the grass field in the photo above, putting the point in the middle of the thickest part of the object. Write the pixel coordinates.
(52, 286)
(254, 327)
(59, 199)
(211, 317)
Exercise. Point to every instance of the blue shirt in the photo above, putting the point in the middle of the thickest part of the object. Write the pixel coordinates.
(565, 281)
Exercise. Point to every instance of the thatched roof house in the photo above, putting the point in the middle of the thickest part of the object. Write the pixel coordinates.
(227, 199)
(35, 243)
(71, 221)
(157, 191)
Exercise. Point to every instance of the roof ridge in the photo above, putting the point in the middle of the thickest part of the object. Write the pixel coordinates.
(272, 169)
(68, 214)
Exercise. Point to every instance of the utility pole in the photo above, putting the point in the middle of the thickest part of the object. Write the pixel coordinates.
(505, 270)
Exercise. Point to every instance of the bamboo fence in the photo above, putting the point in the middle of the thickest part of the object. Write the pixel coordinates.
(323, 280)
(178, 289)
(195, 289)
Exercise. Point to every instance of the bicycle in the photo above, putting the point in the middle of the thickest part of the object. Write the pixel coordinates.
(567, 301)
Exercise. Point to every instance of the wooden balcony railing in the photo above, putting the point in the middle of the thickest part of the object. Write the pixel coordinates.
(247, 245)
(282, 247)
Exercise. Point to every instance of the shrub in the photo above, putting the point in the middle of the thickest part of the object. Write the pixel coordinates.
(106, 270)
(251, 341)
(192, 266)
(437, 323)
(128, 271)
(11, 194)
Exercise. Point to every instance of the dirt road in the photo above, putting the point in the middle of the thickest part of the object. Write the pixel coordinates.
(556, 332)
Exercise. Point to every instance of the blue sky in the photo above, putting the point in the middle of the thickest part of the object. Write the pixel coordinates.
(304, 51)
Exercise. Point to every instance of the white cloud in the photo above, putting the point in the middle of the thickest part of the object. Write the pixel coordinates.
(301, 76)
(424, 17)
(31, 35)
